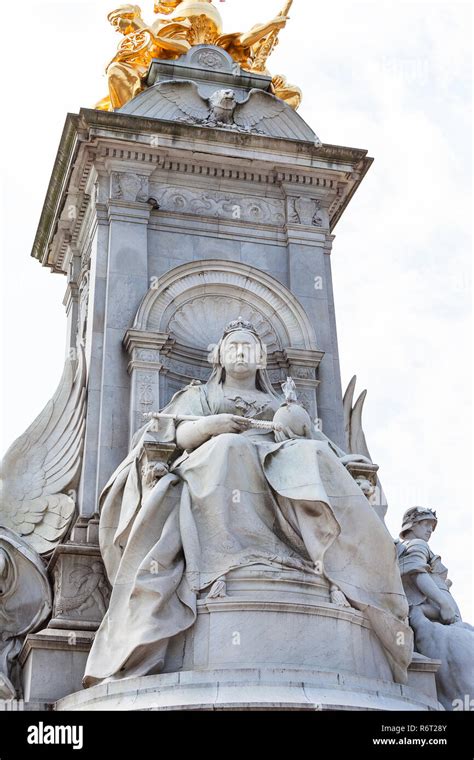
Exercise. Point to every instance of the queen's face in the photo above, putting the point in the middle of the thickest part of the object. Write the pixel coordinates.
(423, 529)
(241, 354)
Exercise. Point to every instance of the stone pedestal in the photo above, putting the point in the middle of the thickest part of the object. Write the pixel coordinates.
(273, 640)
(54, 659)
(81, 589)
(53, 663)
(250, 689)
(282, 619)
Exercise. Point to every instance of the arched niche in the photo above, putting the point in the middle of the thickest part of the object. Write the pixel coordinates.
(183, 314)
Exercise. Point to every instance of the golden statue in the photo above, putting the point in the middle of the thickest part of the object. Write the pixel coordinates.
(191, 22)
(141, 44)
(252, 50)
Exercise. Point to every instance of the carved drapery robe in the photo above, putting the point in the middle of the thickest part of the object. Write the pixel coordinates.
(237, 500)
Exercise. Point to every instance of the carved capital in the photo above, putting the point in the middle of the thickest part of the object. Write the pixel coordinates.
(129, 186)
(365, 475)
(306, 211)
(145, 348)
(303, 362)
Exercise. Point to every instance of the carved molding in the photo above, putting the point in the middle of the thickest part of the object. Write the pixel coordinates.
(212, 59)
(94, 140)
(221, 206)
(304, 358)
(325, 180)
(145, 346)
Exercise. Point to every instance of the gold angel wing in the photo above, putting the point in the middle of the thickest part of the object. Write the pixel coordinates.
(43, 464)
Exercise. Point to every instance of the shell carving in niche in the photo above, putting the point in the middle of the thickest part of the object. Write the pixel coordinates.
(200, 322)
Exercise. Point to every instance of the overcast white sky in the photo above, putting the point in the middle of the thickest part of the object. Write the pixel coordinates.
(392, 77)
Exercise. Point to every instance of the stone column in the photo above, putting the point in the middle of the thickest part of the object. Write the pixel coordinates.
(144, 368)
(71, 301)
(302, 367)
(94, 348)
(310, 279)
(118, 282)
(126, 285)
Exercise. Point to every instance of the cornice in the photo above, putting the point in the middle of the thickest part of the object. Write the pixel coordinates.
(155, 146)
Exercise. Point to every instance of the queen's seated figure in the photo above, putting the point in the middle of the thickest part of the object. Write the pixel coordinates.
(231, 495)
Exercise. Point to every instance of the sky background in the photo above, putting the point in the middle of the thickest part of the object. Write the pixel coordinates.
(391, 77)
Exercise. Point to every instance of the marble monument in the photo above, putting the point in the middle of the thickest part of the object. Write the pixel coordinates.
(195, 520)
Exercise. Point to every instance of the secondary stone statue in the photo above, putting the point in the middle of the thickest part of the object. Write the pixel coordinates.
(38, 479)
(229, 493)
(435, 618)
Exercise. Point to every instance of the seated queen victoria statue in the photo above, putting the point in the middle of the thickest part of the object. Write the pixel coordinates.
(246, 481)
(440, 632)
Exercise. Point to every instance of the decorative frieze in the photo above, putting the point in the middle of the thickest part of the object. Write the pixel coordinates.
(218, 205)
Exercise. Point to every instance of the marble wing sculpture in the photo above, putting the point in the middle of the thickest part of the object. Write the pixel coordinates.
(355, 436)
(43, 464)
(184, 98)
(356, 443)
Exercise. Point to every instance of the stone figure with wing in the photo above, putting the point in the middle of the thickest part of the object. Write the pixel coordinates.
(141, 43)
(38, 477)
(189, 23)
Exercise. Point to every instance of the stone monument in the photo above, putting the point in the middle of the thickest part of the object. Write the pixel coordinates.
(195, 521)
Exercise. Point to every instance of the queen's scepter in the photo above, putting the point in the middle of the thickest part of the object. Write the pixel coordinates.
(289, 390)
(291, 420)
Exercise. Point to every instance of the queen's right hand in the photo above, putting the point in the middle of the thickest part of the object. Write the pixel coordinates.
(216, 424)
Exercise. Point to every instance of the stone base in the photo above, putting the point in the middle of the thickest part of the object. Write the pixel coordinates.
(81, 589)
(53, 663)
(272, 618)
(269, 639)
(250, 689)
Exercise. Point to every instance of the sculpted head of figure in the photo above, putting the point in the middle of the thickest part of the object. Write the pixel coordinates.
(189, 9)
(418, 522)
(241, 354)
(366, 487)
(123, 16)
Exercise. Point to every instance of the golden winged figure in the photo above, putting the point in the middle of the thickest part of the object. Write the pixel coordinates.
(180, 25)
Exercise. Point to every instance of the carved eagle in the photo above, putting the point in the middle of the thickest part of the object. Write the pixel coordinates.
(222, 108)
(42, 466)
